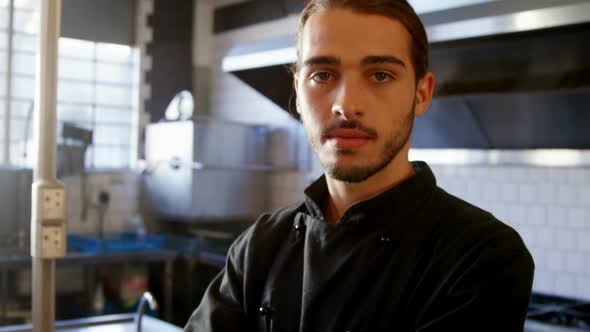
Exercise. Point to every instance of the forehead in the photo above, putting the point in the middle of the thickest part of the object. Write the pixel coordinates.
(352, 36)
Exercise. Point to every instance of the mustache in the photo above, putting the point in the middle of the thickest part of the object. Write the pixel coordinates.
(349, 124)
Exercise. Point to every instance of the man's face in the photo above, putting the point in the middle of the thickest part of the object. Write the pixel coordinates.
(356, 91)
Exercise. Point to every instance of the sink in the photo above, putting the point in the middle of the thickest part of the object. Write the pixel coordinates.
(110, 323)
(115, 242)
(131, 242)
(149, 324)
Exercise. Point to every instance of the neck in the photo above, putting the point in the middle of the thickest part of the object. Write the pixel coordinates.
(342, 195)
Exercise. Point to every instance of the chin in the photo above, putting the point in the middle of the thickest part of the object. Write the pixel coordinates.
(351, 171)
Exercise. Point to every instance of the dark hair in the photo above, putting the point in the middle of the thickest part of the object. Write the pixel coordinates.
(399, 10)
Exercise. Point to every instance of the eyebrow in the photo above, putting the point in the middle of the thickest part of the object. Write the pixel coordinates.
(321, 60)
(368, 60)
(376, 59)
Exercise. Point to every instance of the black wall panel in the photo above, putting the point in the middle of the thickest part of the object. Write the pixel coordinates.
(253, 12)
(171, 53)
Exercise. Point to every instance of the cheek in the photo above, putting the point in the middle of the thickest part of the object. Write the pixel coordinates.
(314, 106)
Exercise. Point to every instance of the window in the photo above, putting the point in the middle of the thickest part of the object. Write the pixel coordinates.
(96, 87)
(3, 70)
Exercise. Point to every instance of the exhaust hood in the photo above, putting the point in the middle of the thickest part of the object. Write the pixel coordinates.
(511, 75)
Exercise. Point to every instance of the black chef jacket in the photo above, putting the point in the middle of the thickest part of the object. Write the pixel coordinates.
(413, 258)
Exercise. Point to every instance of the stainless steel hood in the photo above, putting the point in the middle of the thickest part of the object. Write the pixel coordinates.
(510, 74)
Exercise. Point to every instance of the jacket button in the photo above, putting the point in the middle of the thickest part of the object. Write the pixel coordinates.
(299, 226)
(265, 310)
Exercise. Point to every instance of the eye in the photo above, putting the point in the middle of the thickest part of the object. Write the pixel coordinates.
(322, 76)
(381, 76)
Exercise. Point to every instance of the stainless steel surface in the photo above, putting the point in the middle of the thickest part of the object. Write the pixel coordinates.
(209, 142)
(529, 120)
(539, 158)
(146, 299)
(111, 323)
(521, 18)
(533, 326)
(458, 20)
(278, 51)
(229, 180)
(427, 6)
(20, 259)
(15, 204)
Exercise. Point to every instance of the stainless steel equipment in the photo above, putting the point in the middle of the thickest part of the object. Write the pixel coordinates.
(206, 169)
(15, 204)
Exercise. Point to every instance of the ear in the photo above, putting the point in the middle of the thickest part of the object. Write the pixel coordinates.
(296, 88)
(424, 92)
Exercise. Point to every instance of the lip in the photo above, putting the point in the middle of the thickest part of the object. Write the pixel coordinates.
(348, 134)
(348, 139)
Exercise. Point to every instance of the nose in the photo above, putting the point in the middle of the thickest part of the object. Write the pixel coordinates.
(348, 103)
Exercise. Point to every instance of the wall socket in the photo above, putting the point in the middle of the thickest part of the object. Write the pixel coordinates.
(48, 219)
(53, 204)
(52, 240)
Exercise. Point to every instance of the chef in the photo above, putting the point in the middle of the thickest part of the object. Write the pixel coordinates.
(375, 245)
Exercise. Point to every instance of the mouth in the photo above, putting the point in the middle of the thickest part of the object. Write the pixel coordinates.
(348, 139)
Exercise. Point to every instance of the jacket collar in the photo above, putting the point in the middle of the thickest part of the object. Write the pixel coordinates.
(397, 202)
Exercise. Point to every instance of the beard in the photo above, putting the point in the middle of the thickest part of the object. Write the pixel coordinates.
(393, 144)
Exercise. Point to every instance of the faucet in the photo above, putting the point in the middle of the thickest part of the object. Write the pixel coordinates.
(146, 298)
(103, 203)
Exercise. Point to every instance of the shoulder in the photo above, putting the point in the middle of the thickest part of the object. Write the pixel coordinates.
(279, 221)
(253, 252)
(266, 233)
(464, 226)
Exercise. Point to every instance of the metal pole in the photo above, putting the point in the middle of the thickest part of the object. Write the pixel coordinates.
(43, 291)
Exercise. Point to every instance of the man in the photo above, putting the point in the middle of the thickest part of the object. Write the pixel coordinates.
(376, 245)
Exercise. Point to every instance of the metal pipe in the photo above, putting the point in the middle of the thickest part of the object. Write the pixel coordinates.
(46, 91)
(43, 291)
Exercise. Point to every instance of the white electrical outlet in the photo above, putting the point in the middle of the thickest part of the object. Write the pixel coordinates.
(48, 220)
(52, 240)
(53, 204)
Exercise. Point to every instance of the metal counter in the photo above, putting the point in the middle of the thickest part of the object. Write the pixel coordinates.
(19, 260)
(111, 323)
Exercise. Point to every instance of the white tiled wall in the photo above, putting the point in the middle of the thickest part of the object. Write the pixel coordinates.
(123, 205)
(549, 207)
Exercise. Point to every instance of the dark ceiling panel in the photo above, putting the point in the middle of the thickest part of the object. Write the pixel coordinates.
(274, 82)
(449, 123)
(107, 21)
(517, 62)
(171, 54)
(252, 12)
